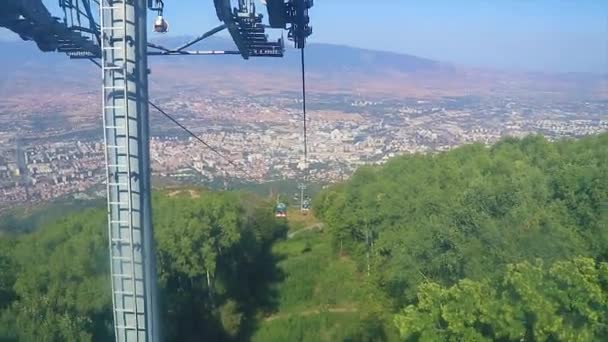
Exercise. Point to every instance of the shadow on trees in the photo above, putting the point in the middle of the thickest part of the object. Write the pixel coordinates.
(229, 307)
(264, 298)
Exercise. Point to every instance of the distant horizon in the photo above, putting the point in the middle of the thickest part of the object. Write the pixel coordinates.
(535, 35)
(9, 38)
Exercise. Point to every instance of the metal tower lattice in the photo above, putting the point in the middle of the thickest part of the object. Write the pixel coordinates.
(125, 121)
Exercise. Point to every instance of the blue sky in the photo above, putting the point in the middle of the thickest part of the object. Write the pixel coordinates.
(544, 35)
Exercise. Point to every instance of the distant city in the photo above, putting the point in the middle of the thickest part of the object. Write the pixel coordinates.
(262, 135)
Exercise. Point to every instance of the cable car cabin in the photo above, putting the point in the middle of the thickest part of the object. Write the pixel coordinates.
(161, 25)
(280, 210)
(305, 206)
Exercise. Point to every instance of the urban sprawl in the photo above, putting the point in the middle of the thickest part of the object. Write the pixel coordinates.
(262, 136)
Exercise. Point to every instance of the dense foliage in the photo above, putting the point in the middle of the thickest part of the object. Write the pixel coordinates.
(214, 264)
(566, 302)
(216, 267)
(59, 282)
(427, 227)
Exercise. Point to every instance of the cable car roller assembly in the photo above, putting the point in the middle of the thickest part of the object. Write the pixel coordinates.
(113, 34)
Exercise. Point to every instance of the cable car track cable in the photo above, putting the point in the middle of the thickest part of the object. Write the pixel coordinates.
(304, 118)
(213, 149)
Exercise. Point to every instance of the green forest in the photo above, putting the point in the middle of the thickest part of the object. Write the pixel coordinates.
(482, 243)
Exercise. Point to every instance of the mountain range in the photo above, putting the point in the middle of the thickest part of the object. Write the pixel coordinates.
(330, 69)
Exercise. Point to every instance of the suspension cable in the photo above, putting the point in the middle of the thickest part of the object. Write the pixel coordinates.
(304, 115)
(213, 149)
(199, 139)
(303, 185)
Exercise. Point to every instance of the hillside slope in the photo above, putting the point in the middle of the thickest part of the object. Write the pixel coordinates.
(470, 222)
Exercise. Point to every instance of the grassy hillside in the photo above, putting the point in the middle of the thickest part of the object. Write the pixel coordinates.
(322, 296)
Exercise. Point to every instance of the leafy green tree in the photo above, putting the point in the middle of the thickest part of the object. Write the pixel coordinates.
(566, 302)
(62, 289)
(460, 214)
(8, 273)
(214, 262)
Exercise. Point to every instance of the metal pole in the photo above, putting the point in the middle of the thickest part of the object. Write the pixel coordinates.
(302, 186)
(150, 271)
(126, 135)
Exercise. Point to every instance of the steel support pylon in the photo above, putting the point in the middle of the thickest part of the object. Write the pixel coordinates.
(125, 121)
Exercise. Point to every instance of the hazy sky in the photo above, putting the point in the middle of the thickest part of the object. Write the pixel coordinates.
(564, 35)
